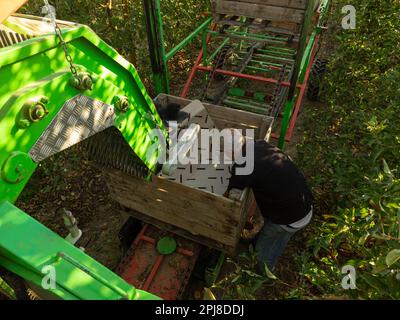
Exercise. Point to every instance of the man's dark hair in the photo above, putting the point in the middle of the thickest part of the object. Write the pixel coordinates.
(169, 112)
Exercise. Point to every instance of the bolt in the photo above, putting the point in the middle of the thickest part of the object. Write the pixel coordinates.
(75, 82)
(37, 112)
(87, 82)
(83, 81)
(44, 100)
(121, 102)
(33, 110)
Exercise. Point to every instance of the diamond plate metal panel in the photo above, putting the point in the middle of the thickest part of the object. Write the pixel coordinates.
(213, 178)
(79, 118)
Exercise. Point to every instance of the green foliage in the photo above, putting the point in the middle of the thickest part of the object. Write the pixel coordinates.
(121, 23)
(242, 282)
(351, 156)
(6, 290)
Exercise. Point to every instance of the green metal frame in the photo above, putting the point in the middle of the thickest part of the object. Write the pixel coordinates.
(307, 42)
(302, 63)
(159, 57)
(155, 36)
(37, 70)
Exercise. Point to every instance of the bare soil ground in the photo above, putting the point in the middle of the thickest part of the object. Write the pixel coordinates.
(65, 181)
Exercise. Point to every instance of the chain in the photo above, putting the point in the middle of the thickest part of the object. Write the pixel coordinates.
(218, 62)
(68, 57)
(52, 16)
(275, 101)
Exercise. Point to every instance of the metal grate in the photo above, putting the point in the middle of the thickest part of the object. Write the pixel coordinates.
(8, 38)
(213, 178)
(79, 118)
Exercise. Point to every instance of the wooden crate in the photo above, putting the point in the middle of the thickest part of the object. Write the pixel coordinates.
(224, 117)
(282, 14)
(201, 216)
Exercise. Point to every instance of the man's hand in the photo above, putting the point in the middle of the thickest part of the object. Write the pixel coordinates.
(256, 224)
(234, 194)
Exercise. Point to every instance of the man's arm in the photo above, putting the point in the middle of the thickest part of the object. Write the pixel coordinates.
(240, 181)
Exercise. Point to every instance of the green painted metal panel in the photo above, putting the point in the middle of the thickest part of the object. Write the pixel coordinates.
(28, 248)
(35, 73)
(37, 67)
(289, 106)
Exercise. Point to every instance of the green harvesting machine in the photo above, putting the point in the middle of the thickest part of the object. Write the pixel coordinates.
(62, 85)
(58, 89)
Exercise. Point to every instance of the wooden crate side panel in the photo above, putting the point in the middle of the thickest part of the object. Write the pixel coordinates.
(226, 124)
(232, 118)
(251, 10)
(247, 203)
(229, 249)
(224, 117)
(295, 4)
(199, 212)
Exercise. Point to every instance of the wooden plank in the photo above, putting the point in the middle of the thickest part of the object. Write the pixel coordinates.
(226, 124)
(295, 4)
(241, 120)
(280, 28)
(265, 12)
(198, 212)
(247, 203)
(224, 117)
(237, 116)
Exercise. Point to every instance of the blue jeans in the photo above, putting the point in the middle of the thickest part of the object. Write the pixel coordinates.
(270, 244)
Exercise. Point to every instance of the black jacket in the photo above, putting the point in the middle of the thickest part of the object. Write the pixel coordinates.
(280, 189)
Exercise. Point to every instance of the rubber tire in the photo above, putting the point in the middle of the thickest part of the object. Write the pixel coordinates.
(318, 72)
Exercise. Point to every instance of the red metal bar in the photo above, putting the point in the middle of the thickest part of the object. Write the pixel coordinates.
(302, 91)
(140, 235)
(185, 252)
(196, 64)
(293, 120)
(276, 137)
(229, 73)
(244, 76)
(148, 239)
(192, 74)
(153, 272)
